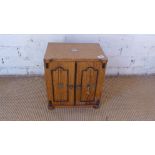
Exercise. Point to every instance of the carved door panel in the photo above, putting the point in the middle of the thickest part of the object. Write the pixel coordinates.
(61, 82)
(90, 76)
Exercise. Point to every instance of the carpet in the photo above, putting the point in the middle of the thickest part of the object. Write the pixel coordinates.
(125, 98)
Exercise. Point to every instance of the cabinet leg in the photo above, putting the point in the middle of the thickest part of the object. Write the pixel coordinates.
(50, 105)
(97, 105)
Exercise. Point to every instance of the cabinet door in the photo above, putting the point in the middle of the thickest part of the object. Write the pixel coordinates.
(60, 82)
(89, 82)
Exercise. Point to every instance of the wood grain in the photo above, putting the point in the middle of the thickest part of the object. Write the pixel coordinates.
(74, 74)
(90, 78)
(74, 51)
(59, 79)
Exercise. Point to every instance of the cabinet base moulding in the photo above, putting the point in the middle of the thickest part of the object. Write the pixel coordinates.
(52, 107)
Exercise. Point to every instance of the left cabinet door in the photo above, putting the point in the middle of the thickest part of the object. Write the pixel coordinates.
(60, 82)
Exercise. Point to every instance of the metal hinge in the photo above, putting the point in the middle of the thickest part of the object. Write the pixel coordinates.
(103, 66)
(46, 65)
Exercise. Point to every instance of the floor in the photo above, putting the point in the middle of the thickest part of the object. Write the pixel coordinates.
(125, 98)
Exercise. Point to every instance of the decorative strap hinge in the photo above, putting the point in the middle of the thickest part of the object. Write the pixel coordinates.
(103, 65)
(46, 65)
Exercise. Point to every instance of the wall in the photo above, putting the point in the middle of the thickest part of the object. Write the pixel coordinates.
(128, 54)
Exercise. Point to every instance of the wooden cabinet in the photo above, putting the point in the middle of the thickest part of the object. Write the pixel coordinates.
(74, 74)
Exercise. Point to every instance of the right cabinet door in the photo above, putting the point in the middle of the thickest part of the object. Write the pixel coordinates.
(89, 82)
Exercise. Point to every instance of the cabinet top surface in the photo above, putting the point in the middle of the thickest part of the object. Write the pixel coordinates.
(74, 51)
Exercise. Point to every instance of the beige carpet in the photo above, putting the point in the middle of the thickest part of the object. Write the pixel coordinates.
(125, 98)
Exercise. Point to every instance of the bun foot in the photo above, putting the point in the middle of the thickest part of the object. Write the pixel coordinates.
(97, 105)
(50, 106)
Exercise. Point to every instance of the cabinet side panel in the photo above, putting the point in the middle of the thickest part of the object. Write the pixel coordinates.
(48, 81)
(100, 84)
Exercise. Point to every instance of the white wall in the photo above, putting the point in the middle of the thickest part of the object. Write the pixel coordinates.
(127, 54)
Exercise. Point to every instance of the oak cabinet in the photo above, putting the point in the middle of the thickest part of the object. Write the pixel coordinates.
(74, 74)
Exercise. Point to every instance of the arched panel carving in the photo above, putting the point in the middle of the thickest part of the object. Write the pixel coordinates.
(60, 80)
(89, 79)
